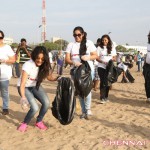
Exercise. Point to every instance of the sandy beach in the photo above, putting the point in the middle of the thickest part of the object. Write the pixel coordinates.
(125, 118)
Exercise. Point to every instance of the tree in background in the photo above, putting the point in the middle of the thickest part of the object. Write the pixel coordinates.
(121, 48)
(63, 43)
(57, 45)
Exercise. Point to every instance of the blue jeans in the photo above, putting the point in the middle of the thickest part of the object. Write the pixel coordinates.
(31, 93)
(4, 93)
(139, 65)
(17, 69)
(86, 103)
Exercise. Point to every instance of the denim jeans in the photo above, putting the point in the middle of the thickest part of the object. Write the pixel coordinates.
(59, 69)
(31, 93)
(139, 65)
(17, 69)
(86, 103)
(4, 93)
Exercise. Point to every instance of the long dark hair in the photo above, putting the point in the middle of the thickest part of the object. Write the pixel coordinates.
(109, 45)
(2, 33)
(45, 67)
(83, 47)
(148, 38)
(98, 42)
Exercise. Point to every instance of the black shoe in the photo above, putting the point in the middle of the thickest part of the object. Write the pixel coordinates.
(5, 112)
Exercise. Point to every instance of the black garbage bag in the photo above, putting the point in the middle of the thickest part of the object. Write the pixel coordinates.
(129, 76)
(64, 104)
(112, 72)
(130, 65)
(83, 80)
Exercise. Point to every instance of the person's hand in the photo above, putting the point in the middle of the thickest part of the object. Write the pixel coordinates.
(19, 46)
(24, 103)
(104, 62)
(77, 64)
(59, 77)
(2, 61)
(85, 57)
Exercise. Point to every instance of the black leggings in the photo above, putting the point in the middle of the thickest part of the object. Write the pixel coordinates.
(104, 88)
(146, 73)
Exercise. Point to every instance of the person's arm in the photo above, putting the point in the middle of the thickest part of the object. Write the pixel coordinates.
(51, 77)
(27, 52)
(69, 61)
(92, 56)
(10, 60)
(114, 58)
(100, 61)
(22, 84)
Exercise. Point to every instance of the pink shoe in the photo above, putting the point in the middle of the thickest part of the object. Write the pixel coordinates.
(41, 125)
(22, 127)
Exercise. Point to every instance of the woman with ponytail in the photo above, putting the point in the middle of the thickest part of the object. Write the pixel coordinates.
(33, 73)
(76, 52)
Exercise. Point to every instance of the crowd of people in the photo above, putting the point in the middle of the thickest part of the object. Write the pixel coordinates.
(32, 67)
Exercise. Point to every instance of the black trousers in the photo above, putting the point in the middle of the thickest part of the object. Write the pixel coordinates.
(146, 73)
(104, 88)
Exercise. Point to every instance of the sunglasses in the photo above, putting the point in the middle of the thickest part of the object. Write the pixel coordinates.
(75, 35)
(1, 37)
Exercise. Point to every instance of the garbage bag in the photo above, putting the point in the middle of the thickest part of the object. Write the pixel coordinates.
(130, 65)
(112, 72)
(83, 80)
(64, 104)
(129, 76)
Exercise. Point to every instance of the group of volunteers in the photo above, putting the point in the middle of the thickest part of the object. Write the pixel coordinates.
(38, 68)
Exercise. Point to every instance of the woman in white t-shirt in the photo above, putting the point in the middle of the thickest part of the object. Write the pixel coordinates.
(33, 73)
(73, 51)
(106, 52)
(146, 71)
(7, 58)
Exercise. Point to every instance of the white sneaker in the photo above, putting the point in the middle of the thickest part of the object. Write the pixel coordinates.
(102, 101)
(106, 99)
(89, 112)
(148, 100)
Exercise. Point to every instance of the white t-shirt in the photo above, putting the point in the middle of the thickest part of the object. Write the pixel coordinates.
(104, 56)
(73, 49)
(123, 66)
(118, 58)
(32, 70)
(50, 57)
(5, 69)
(148, 54)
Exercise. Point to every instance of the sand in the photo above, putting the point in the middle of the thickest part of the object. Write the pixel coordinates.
(125, 118)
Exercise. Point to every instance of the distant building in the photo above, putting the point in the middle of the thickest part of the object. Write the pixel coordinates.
(8, 41)
(142, 49)
(54, 39)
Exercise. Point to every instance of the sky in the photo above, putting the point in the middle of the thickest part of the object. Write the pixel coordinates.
(127, 20)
